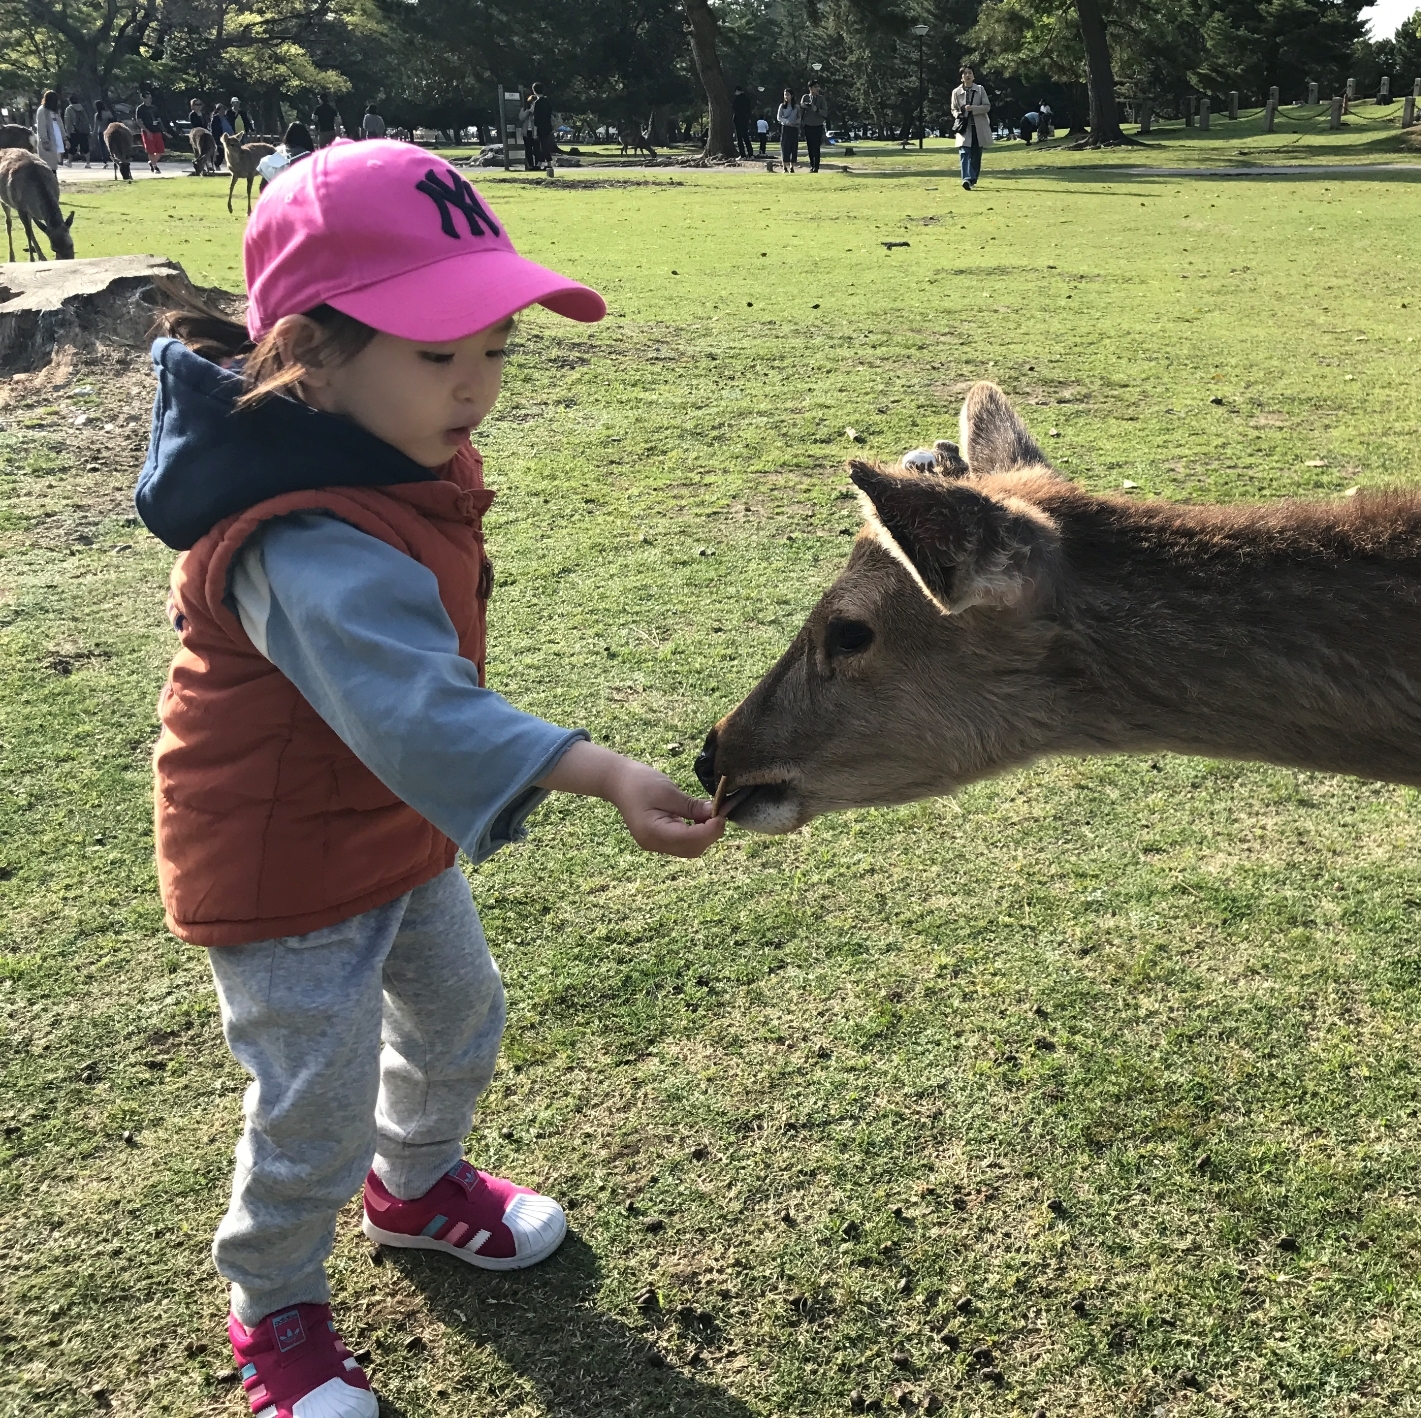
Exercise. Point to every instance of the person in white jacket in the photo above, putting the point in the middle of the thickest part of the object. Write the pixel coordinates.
(49, 131)
(970, 127)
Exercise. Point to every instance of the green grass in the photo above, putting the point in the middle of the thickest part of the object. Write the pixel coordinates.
(1181, 999)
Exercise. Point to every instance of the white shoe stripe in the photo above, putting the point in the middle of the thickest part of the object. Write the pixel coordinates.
(476, 1240)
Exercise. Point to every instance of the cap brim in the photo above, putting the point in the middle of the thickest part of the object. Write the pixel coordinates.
(451, 299)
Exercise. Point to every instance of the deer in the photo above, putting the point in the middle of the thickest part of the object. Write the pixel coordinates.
(204, 152)
(993, 613)
(16, 135)
(118, 139)
(29, 188)
(242, 162)
(636, 138)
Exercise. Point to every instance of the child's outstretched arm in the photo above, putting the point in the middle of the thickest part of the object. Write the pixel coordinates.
(655, 810)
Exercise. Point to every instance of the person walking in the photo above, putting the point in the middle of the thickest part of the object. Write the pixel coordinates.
(49, 131)
(543, 128)
(530, 136)
(150, 130)
(762, 127)
(1047, 128)
(103, 116)
(970, 127)
(248, 128)
(325, 119)
(787, 116)
(372, 125)
(76, 130)
(740, 112)
(813, 115)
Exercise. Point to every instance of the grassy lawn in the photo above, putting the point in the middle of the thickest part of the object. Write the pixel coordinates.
(1107, 1071)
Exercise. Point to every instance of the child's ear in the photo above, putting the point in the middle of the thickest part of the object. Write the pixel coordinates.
(298, 339)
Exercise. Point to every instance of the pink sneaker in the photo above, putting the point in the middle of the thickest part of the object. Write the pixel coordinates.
(294, 1365)
(481, 1219)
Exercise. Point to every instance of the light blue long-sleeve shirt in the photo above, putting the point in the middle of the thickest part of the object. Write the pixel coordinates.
(359, 629)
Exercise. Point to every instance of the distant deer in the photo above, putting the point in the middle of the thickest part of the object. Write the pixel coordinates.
(118, 138)
(638, 139)
(28, 187)
(204, 152)
(16, 135)
(242, 161)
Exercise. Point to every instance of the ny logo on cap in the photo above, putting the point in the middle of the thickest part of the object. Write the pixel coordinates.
(456, 193)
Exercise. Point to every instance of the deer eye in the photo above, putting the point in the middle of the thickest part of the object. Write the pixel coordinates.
(847, 637)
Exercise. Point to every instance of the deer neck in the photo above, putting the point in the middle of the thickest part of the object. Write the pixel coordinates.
(1235, 633)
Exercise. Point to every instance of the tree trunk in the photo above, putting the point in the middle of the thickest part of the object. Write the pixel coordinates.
(720, 136)
(1105, 131)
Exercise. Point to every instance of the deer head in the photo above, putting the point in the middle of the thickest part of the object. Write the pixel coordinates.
(921, 667)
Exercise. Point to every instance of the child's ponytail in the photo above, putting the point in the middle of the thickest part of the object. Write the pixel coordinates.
(205, 330)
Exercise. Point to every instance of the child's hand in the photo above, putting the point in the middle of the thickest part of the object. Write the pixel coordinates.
(653, 807)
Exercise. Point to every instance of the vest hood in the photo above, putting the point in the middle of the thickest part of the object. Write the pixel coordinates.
(206, 462)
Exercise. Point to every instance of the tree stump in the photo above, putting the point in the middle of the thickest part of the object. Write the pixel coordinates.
(47, 305)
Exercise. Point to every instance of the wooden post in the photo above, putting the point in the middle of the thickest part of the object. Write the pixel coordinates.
(1273, 95)
(1269, 109)
(1312, 95)
(1334, 119)
(1384, 92)
(1189, 111)
(1204, 114)
(1408, 111)
(1416, 88)
(1233, 104)
(1146, 113)
(1351, 88)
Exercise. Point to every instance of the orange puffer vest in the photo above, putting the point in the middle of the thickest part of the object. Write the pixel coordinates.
(266, 823)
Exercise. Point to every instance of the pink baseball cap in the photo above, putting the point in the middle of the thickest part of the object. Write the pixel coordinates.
(393, 236)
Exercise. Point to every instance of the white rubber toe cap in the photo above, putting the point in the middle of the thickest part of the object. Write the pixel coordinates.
(337, 1399)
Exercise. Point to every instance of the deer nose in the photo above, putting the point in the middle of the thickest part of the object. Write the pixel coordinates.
(705, 764)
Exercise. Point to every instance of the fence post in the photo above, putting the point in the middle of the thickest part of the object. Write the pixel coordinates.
(1408, 111)
(1384, 92)
(1273, 95)
(1269, 109)
(1351, 88)
(1416, 88)
(1312, 95)
(1189, 111)
(1233, 104)
(1204, 114)
(1334, 119)
(1146, 113)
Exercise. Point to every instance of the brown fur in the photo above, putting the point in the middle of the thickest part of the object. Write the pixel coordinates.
(29, 188)
(204, 152)
(242, 162)
(16, 135)
(636, 138)
(118, 139)
(1015, 615)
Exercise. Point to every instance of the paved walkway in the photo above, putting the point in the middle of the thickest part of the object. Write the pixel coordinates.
(138, 166)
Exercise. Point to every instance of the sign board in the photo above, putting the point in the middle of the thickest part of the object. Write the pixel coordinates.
(510, 104)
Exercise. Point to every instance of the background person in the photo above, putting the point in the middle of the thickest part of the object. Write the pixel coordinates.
(762, 127)
(787, 116)
(150, 130)
(740, 112)
(49, 131)
(1047, 128)
(543, 128)
(76, 130)
(530, 136)
(970, 127)
(1029, 124)
(813, 115)
(103, 116)
(325, 119)
(372, 125)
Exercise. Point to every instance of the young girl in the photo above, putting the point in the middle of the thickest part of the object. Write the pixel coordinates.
(327, 743)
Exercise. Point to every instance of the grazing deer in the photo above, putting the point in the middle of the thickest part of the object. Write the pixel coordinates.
(993, 613)
(118, 139)
(242, 162)
(638, 139)
(28, 187)
(204, 152)
(16, 135)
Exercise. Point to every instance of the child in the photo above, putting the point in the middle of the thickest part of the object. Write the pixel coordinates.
(327, 742)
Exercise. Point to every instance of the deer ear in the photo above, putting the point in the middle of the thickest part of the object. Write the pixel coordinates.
(963, 548)
(69, 220)
(994, 439)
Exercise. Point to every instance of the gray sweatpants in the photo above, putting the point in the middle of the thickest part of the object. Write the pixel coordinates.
(366, 1041)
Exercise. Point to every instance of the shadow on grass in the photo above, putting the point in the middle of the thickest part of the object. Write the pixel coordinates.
(1257, 170)
(543, 1324)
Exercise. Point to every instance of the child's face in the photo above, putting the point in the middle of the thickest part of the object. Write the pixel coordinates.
(424, 399)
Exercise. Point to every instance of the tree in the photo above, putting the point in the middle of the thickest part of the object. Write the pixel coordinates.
(1105, 131)
(720, 136)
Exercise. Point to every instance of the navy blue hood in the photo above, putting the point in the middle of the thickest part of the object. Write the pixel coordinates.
(206, 462)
